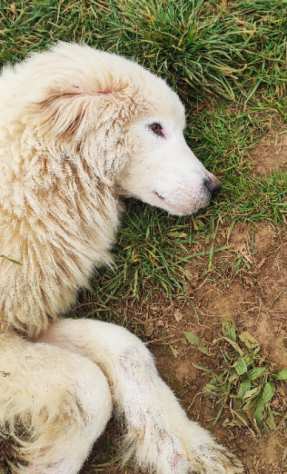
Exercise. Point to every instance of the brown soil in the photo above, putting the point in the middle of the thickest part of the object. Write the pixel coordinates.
(271, 154)
(247, 283)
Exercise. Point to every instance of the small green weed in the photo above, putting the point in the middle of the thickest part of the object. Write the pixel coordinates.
(246, 385)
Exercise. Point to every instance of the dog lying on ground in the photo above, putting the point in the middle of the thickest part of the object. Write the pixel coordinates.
(78, 129)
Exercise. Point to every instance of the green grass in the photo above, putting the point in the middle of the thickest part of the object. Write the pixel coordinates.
(227, 60)
(246, 389)
(202, 46)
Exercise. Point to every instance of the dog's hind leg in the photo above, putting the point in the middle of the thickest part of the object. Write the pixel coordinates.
(53, 406)
(159, 435)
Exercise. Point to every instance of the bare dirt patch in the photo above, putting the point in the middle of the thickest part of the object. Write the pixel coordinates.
(252, 293)
(251, 286)
(248, 286)
(271, 153)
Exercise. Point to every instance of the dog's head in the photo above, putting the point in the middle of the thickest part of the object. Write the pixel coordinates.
(162, 169)
(126, 122)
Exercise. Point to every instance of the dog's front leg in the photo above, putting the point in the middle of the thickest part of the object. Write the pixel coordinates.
(159, 435)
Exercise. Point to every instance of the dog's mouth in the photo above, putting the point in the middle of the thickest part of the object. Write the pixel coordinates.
(159, 196)
(180, 209)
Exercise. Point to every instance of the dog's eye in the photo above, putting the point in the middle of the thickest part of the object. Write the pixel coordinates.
(156, 128)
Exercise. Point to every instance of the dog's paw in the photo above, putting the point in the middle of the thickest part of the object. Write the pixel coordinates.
(197, 453)
(212, 458)
(189, 449)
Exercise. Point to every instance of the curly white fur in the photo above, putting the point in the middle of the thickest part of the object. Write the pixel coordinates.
(77, 130)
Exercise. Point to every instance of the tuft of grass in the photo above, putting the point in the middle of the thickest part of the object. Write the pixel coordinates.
(151, 252)
(201, 47)
(246, 389)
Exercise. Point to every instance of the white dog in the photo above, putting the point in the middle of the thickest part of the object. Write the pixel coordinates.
(79, 127)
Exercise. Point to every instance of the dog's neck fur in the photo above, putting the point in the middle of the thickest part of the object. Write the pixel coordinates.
(60, 212)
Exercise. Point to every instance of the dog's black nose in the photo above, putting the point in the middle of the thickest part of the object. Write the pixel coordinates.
(213, 185)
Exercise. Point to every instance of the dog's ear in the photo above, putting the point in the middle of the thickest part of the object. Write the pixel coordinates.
(62, 113)
(68, 113)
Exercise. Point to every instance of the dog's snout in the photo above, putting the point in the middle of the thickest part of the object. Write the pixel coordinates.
(213, 185)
